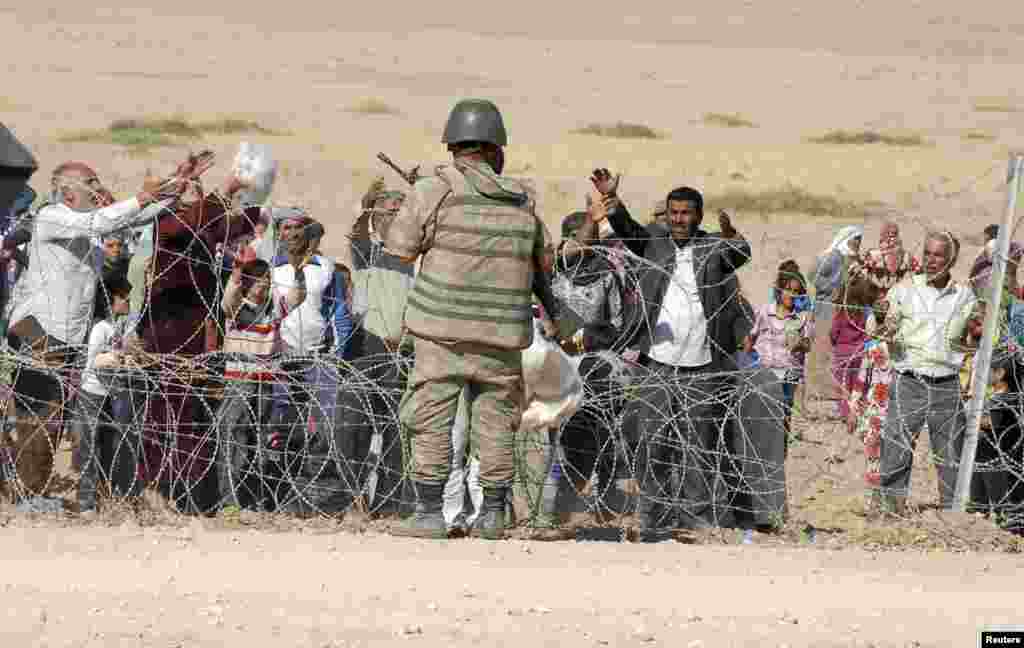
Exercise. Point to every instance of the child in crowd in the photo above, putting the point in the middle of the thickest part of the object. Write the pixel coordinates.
(94, 420)
(848, 336)
(250, 343)
(782, 333)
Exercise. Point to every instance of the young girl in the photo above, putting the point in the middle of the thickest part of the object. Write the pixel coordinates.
(782, 334)
(94, 420)
(849, 335)
(250, 343)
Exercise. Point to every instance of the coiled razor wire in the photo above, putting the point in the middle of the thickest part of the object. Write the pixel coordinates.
(706, 447)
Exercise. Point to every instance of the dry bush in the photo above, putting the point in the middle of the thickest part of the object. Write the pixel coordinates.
(979, 136)
(858, 138)
(372, 106)
(787, 199)
(151, 132)
(995, 107)
(726, 120)
(623, 130)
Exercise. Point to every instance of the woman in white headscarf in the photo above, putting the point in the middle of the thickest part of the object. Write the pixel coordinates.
(834, 262)
(830, 274)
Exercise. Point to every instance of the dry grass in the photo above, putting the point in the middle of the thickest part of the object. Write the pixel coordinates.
(860, 138)
(787, 199)
(622, 130)
(726, 121)
(153, 132)
(373, 106)
(979, 136)
(996, 107)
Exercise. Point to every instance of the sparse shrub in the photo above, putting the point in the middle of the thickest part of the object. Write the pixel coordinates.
(624, 130)
(151, 132)
(726, 121)
(860, 138)
(372, 106)
(786, 199)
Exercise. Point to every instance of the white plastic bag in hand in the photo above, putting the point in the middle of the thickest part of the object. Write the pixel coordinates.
(554, 389)
(256, 167)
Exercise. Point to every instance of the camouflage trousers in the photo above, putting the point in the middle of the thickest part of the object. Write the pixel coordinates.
(494, 382)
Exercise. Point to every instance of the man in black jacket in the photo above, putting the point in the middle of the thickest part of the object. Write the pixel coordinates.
(683, 328)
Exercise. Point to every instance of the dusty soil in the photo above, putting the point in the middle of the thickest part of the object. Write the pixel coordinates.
(191, 586)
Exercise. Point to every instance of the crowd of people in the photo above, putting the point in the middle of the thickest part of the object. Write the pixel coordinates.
(204, 346)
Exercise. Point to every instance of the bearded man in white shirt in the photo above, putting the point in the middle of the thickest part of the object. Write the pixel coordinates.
(52, 309)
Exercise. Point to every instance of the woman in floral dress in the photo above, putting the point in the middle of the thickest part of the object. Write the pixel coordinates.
(884, 266)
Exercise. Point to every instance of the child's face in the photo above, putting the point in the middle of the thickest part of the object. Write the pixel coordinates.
(260, 290)
(976, 325)
(790, 291)
(121, 305)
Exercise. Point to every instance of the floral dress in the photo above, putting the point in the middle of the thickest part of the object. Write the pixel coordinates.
(870, 398)
(871, 405)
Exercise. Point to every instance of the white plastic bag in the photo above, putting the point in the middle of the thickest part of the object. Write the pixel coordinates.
(255, 166)
(554, 389)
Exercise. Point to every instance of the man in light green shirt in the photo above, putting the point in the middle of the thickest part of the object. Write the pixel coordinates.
(925, 324)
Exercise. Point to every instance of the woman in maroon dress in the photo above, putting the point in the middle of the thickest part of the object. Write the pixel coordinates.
(178, 325)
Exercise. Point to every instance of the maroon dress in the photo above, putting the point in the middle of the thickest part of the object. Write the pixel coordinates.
(180, 321)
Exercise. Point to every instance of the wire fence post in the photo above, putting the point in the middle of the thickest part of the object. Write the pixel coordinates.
(985, 349)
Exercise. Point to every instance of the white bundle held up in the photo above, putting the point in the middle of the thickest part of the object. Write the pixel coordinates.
(554, 389)
(256, 167)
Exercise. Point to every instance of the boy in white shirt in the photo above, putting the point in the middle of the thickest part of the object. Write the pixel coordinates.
(95, 400)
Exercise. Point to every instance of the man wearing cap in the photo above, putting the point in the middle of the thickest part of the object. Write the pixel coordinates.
(470, 313)
(311, 304)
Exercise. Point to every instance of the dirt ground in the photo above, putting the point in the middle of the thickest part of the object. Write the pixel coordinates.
(149, 577)
(158, 586)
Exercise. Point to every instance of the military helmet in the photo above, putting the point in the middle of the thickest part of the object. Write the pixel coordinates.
(475, 120)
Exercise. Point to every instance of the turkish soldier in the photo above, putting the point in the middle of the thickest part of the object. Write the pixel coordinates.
(482, 251)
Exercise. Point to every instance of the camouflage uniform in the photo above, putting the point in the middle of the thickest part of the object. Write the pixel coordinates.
(469, 313)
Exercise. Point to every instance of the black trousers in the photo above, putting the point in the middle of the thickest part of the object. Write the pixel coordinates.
(368, 403)
(676, 418)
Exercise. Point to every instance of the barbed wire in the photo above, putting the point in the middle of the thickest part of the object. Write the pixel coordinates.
(702, 445)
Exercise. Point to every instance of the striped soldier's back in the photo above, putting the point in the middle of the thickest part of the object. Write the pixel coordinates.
(474, 284)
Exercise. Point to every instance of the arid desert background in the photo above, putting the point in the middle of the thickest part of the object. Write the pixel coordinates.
(727, 96)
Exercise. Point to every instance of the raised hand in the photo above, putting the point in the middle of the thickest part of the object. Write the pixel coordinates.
(725, 224)
(604, 182)
(370, 197)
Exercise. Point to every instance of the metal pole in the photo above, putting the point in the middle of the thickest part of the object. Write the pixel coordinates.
(997, 279)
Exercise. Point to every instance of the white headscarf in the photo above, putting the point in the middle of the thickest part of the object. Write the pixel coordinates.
(841, 242)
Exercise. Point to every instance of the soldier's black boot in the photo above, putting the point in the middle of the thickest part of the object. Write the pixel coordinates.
(427, 520)
(491, 523)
